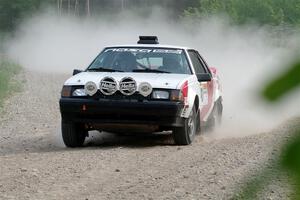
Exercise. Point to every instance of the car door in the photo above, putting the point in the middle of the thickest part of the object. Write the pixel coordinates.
(206, 88)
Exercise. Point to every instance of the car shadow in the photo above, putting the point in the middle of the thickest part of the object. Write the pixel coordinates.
(129, 140)
(96, 140)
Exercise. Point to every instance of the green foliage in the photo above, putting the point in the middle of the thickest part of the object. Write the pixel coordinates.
(290, 160)
(3, 37)
(7, 71)
(282, 85)
(286, 165)
(274, 91)
(272, 12)
(256, 184)
(13, 11)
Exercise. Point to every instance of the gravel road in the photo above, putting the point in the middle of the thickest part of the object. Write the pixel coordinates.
(34, 164)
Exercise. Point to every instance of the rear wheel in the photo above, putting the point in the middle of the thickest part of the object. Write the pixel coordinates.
(198, 123)
(73, 134)
(186, 134)
(215, 118)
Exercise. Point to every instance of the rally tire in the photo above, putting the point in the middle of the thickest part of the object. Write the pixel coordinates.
(73, 135)
(215, 118)
(220, 111)
(186, 134)
(198, 124)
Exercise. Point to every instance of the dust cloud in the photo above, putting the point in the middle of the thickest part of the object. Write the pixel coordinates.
(246, 56)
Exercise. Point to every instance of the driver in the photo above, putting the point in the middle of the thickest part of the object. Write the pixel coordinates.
(171, 64)
(126, 62)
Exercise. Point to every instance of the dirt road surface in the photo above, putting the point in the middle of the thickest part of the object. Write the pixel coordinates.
(34, 164)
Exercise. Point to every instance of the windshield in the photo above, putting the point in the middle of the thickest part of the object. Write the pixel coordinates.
(157, 60)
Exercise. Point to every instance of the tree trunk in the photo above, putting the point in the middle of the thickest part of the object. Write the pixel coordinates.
(88, 12)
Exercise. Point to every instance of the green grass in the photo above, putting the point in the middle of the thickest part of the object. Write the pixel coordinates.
(8, 70)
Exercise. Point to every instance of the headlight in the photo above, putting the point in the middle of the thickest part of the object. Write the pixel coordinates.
(66, 91)
(145, 89)
(90, 88)
(159, 94)
(79, 93)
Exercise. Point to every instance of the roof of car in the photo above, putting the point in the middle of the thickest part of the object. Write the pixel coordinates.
(149, 45)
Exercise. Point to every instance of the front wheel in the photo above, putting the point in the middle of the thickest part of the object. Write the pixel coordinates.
(73, 134)
(186, 134)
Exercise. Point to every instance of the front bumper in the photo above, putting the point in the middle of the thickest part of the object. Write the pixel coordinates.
(91, 111)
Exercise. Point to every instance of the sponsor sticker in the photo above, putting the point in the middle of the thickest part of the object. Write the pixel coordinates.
(204, 93)
(140, 50)
(184, 111)
(127, 86)
(108, 86)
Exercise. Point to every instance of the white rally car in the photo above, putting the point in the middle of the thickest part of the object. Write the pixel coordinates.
(146, 87)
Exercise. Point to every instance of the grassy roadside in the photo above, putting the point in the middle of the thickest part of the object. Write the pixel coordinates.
(8, 70)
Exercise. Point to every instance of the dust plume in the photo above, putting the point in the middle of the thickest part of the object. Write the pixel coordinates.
(246, 56)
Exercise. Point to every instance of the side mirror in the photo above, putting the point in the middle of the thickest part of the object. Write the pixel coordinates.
(213, 70)
(76, 71)
(204, 77)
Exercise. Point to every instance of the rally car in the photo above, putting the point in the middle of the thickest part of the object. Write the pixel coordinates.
(144, 88)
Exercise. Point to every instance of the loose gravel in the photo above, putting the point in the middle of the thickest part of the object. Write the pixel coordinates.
(34, 164)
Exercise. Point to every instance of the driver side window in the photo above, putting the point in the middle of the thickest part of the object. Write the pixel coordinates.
(199, 68)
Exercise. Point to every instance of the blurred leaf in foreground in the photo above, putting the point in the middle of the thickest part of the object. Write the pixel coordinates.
(290, 160)
(254, 185)
(283, 84)
(290, 156)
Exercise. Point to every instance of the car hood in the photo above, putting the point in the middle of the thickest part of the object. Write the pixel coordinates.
(157, 80)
